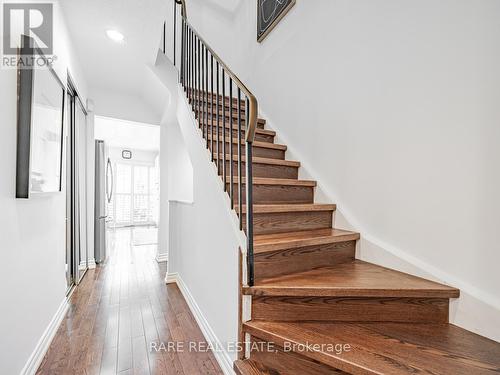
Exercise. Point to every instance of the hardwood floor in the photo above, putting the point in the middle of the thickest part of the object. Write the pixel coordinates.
(118, 311)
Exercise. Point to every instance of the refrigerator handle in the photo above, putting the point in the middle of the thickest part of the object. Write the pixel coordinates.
(109, 170)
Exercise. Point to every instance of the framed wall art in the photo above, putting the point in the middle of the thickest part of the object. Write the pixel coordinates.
(269, 14)
(40, 123)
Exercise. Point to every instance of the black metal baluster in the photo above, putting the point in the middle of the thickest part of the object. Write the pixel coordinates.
(191, 67)
(249, 200)
(195, 66)
(206, 96)
(175, 31)
(224, 166)
(164, 37)
(186, 56)
(183, 57)
(212, 105)
(202, 86)
(219, 169)
(240, 169)
(181, 70)
(192, 70)
(195, 41)
(193, 103)
(202, 90)
(188, 67)
(231, 168)
(198, 91)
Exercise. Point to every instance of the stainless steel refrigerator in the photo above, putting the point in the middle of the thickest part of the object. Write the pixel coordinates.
(103, 196)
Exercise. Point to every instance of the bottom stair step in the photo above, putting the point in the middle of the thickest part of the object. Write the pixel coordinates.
(380, 348)
(249, 367)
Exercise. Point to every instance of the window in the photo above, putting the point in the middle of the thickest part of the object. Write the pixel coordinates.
(135, 199)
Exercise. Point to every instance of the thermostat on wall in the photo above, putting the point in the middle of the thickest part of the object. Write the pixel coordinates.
(127, 154)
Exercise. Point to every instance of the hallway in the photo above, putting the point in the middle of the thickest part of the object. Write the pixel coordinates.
(119, 309)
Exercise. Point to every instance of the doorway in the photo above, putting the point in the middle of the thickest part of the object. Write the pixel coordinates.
(133, 151)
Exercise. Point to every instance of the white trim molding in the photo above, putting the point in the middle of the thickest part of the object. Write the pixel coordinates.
(43, 344)
(92, 264)
(171, 278)
(161, 257)
(222, 357)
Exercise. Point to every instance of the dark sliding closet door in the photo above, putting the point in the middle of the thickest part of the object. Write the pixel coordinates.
(77, 247)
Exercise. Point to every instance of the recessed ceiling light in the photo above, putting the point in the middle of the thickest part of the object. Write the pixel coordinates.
(115, 35)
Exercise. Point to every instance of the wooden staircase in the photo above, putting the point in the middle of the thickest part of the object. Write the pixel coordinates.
(322, 310)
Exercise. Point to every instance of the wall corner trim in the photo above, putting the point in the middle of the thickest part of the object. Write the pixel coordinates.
(43, 344)
(171, 278)
(92, 264)
(222, 357)
(160, 258)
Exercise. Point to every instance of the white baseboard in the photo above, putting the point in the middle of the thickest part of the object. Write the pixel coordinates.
(161, 257)
(224, 360)
(43, 344)
(171, 278)
(92, 265)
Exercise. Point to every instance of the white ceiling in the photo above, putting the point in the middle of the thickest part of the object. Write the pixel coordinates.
(110, 66)
(133, 135)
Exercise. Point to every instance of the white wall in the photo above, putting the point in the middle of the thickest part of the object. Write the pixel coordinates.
(180, 168)
(203, 245)
(176, 175)
(124, 107)
(32, 232)
(393, 107)
(146, 105)
(146, 157)
(198, 230)
(176, 180)
(122, 133)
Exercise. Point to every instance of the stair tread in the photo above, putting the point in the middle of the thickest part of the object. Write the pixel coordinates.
(203, 98)
(292, 207)
(257, 130)
(274, 181)
(265, 131)
(249, 367)
(226, 114)
(227, 125)
(352, 279)
(255, 143)
(270, 161)
(214, 95)
(387, 348)
(272, 242)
